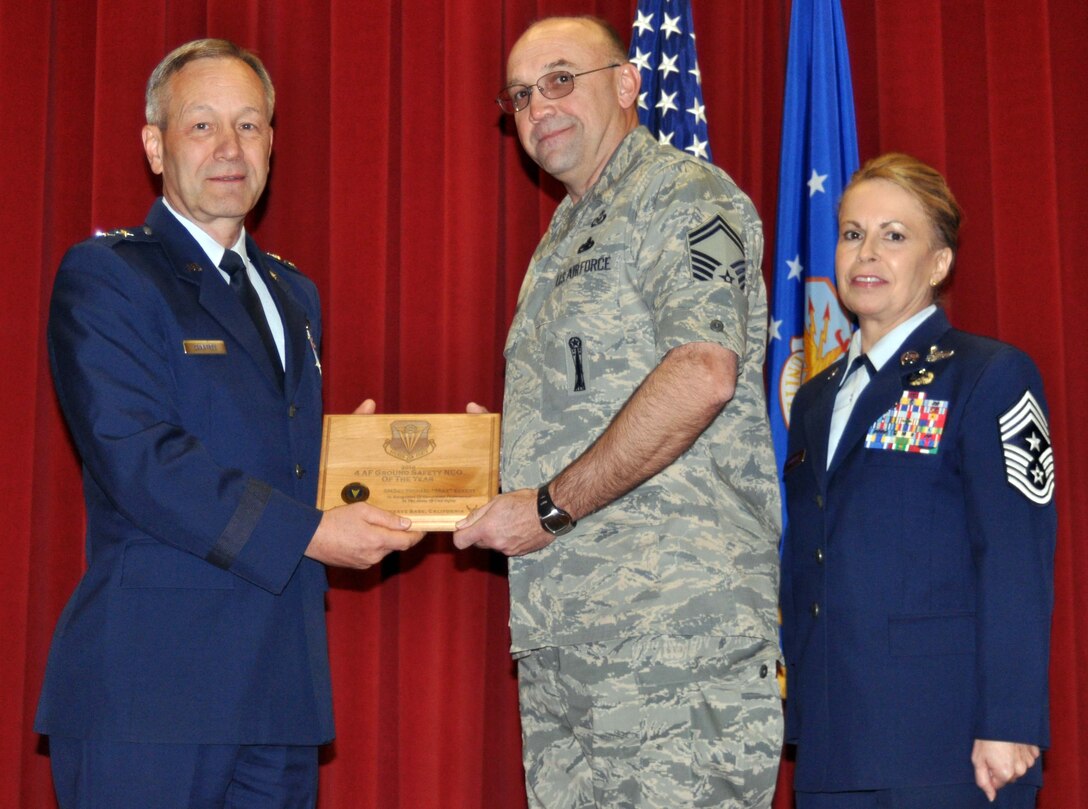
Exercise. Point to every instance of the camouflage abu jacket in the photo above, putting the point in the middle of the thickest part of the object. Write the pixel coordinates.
(664, 250)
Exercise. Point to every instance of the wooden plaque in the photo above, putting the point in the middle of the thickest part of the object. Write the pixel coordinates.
(433, 469)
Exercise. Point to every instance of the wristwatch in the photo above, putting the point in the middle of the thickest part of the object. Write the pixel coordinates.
(552, 518)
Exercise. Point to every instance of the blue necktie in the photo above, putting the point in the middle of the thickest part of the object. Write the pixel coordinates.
(233, 266)
(860, 361)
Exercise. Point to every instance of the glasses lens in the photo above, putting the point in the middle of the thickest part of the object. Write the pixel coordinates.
(513, 98)
(557, 84)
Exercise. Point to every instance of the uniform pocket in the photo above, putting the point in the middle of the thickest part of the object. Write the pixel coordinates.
(736, 728)
(577, 355)
(920, 635)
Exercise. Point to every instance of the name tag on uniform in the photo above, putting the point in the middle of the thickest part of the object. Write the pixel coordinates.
(793, 461)
(204, 346)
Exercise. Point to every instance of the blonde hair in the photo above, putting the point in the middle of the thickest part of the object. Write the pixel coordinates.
(925, 184)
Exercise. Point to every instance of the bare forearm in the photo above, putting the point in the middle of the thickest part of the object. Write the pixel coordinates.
(671, 408)
(660, 421)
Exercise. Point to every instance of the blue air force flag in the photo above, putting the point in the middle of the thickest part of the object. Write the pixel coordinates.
(670, 103)
(809, 330)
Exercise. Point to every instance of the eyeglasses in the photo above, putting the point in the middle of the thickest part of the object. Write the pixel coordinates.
(515, 97)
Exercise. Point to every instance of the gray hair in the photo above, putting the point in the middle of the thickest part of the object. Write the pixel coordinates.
(155, 98)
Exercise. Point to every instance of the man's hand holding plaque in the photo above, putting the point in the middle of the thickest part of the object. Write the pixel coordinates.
(361, 536)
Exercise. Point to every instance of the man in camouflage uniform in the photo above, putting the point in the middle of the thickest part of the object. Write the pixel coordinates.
(641, 509)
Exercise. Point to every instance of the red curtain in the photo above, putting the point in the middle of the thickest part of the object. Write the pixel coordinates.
(398, 187)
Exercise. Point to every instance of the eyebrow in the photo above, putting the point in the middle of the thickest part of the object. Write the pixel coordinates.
(882, 224)
(202, 108)
(548, 68)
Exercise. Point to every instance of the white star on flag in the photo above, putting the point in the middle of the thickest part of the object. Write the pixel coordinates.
(665, 138)
(697, 148)
(642, 101)
(698, 110)
(668, 65)
(773, 330)
(816, 183)
(670, 26)
(697, 74)
(643, 22)
(795, 268)
(640, 60)
(666, 102)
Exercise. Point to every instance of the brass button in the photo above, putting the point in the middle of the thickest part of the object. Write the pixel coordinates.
(815, 609)
(299, 471)
(819, 556)
(292, 411)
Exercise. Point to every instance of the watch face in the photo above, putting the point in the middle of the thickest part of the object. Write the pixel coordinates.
(559, 522)
(552, 518)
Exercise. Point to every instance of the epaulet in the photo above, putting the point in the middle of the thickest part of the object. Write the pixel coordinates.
(283, 261)
(117, 235)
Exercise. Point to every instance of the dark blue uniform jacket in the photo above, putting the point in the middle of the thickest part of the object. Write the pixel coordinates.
(917, 587)
(198, 619)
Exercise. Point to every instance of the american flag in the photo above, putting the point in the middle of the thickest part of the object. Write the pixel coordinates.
(809, 329)
(670, 103)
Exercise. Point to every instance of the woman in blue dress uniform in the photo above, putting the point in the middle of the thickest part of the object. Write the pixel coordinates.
(917, 577)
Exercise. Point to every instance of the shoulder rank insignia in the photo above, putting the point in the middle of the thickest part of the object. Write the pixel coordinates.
(710, 248)
(1025, 440)
(284, 261)
(122, 233)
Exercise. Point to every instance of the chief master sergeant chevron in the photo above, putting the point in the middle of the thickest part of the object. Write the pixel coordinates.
(190, 666)
(641, 507)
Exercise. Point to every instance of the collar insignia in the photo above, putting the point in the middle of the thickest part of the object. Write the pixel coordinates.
(936, 355)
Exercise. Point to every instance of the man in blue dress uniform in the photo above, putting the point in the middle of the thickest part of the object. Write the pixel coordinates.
(190, 667)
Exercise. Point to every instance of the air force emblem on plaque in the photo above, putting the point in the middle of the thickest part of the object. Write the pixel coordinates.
(1025, 439)
(410, 440)
(709, 247)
